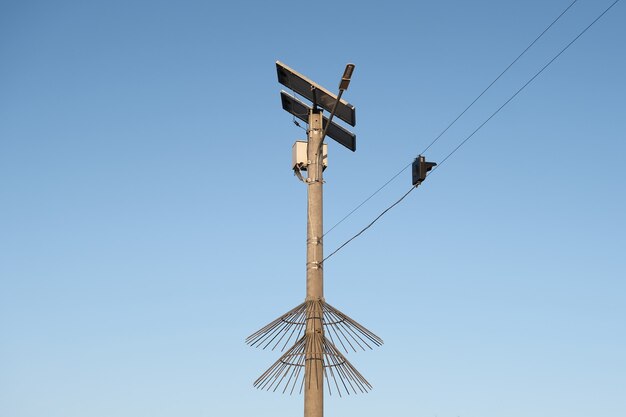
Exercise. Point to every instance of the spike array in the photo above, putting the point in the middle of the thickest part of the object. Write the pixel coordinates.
(288, 371)
(290, 326)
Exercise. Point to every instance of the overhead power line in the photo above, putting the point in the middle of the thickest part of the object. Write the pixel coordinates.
(369, 225)
(478, 128)
(455, 119)
(366, 200)
(526, 84)
(498, 77)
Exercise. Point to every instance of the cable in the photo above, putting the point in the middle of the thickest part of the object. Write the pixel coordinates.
(369, 225)
(366, 200)
(295, 122)
(498, 77)
(293, 115)
(457, 118)
(478, 128)
(525, 85)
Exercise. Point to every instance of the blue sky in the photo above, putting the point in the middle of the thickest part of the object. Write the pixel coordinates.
(149, 220)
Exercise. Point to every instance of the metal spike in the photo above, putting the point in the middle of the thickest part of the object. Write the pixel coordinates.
(337, 325)
(287, 371)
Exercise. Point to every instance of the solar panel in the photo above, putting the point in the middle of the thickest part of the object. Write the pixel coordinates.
(302, 110)
(322, 97)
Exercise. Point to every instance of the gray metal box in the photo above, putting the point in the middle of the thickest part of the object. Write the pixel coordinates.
(299, 155)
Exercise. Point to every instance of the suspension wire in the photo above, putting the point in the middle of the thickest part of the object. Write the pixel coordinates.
(477, 129)
(366, 200)
(525, 85)
(369, 225)
(498, 77)
(457, 117)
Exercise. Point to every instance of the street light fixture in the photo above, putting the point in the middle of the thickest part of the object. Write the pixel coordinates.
(347, 75)
(343, 86)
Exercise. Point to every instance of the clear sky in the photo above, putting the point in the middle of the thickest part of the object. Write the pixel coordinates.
(149, 220)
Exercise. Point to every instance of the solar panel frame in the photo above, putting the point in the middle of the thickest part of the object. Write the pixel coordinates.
(301, 111)
(325, 99)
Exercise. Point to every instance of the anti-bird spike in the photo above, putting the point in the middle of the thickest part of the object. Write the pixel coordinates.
(288, 373)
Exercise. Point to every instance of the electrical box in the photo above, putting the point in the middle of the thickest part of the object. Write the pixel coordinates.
(299, 158)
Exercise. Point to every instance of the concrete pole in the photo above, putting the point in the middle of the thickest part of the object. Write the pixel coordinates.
(313, 370)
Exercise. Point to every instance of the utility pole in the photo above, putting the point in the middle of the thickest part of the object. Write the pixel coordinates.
(314, 370)
(313, 362)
